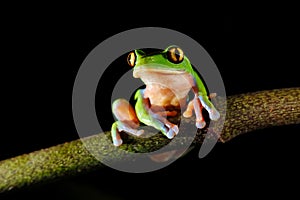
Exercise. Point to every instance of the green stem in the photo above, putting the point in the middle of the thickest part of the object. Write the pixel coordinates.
(245, 113)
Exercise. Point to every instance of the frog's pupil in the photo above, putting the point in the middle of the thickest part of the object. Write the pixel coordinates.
(177, 54)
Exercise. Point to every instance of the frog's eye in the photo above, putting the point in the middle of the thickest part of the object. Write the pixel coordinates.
(175, 55)
(131, 59)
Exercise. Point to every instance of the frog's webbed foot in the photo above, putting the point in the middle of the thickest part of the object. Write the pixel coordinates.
(214, 114)
(123, 126)
(127, 121)
(173, 130)
(161, 123)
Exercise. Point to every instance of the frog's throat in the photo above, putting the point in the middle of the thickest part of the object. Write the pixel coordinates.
(138, 71)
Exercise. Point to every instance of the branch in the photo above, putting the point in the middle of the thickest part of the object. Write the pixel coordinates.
(245, 113)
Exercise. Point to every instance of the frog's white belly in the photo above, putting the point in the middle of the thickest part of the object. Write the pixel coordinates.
(166, 88)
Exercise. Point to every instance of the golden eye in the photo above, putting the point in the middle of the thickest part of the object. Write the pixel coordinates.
(131, 59)
(175, 55)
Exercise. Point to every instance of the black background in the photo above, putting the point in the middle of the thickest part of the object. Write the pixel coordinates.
(41, 53)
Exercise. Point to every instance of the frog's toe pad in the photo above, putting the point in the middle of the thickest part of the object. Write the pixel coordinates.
(174, 128)
(117, 142)
(200, 124)
(187, 114)
(214, 114)
(139, 132)
(170, 134)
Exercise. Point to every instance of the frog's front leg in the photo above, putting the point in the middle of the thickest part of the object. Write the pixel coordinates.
(206, 103)
(197, 105)
(155, 119)
(126, 121)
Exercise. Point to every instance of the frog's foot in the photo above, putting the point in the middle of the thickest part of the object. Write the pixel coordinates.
(161, 123)
(200, 124)
(169, 129)
(117, 142)
(118, 127)
(166, 127)
(173, 130)
(197, 107)
(115, 134)
(123, 126)
(214, 114)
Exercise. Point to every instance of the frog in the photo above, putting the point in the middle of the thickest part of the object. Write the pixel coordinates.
(169, 78)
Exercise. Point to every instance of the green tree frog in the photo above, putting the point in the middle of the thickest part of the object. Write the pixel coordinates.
(169, 77)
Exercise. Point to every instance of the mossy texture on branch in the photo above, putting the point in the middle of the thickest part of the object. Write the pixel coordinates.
(257, 110)
(245, 113)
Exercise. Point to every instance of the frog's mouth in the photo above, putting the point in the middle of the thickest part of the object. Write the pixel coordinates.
(148, 70)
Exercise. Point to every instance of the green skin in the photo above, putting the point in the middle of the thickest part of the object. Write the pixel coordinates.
(168, 76)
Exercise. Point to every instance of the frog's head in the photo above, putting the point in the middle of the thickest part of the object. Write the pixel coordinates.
(169, 61)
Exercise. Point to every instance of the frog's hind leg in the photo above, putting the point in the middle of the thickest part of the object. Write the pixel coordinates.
(126, 121)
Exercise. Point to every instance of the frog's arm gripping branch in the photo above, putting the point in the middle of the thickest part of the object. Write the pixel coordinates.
(202, 97)
(245, 113)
